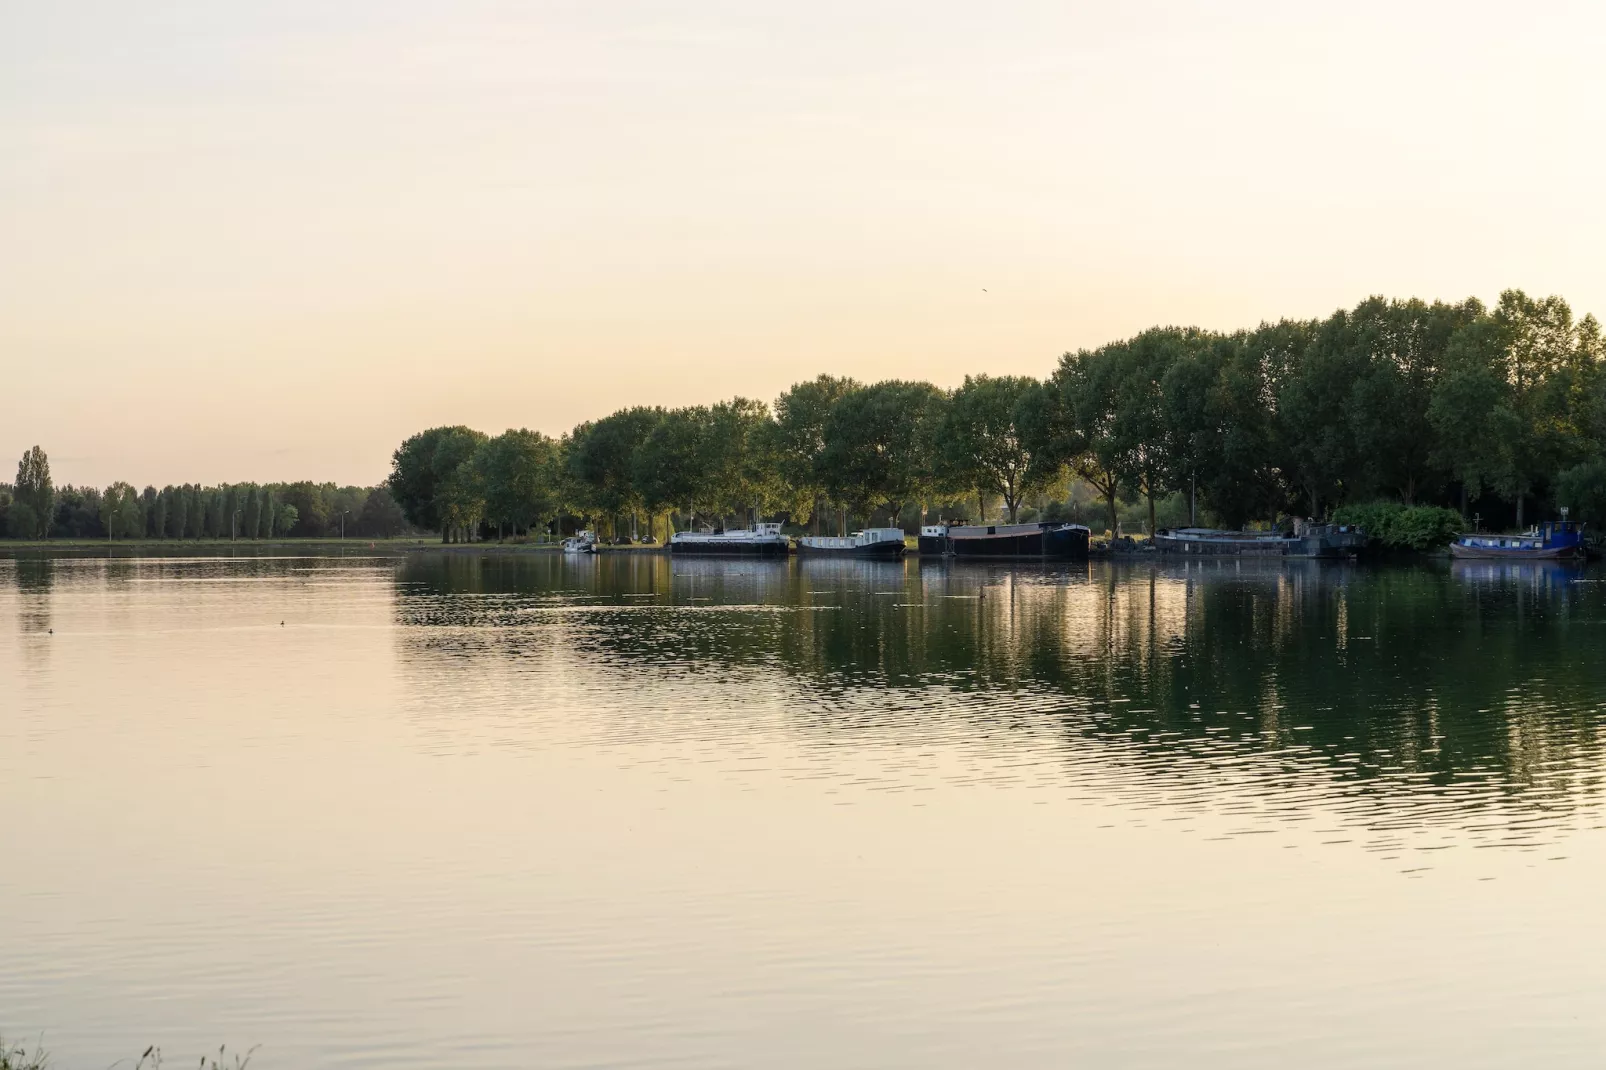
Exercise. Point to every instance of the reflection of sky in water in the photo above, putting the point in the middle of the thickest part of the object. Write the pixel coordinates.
(495, 811)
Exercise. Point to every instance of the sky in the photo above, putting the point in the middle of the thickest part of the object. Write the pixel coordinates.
(269, 241)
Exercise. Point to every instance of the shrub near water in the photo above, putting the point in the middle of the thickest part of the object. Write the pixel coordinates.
(1418, 527)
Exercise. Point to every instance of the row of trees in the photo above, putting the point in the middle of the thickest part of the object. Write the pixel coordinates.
(1502, 409)
(35, 508)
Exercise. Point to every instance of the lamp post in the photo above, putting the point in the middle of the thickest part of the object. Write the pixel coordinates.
(343, 513)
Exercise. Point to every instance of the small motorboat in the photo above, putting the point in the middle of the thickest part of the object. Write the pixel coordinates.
(581, 542)
(1556, 540)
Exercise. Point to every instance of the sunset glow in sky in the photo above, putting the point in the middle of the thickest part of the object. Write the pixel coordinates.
(267, 241)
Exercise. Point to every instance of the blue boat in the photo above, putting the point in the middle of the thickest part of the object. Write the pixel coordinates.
(1557, 540)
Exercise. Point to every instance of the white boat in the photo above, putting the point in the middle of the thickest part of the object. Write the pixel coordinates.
(761, 540)
(871, 542)
(581, 542)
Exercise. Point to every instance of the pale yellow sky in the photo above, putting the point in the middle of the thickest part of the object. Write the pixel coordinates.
(267, 241)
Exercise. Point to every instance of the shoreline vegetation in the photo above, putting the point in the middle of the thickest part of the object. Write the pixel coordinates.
(1413, 420)
(19, 1057)
(1416, 420)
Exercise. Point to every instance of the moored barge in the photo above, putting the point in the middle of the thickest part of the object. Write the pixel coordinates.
(1560, 540)
(1311, 540)
(881, 543)
(761, 540)
(1045, 540)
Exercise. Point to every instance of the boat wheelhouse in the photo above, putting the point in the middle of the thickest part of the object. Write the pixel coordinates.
(1558, 540)
(933, 541)
(871, 542)
(1045, 540)
(761, 540)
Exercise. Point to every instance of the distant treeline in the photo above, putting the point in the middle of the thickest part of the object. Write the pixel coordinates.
(1501, 410)
(34, 508)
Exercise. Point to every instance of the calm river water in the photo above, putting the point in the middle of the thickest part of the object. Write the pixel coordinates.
(516, 811)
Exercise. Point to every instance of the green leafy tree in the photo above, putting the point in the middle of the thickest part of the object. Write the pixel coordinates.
(741, 471)
(251, 513)
(600, 459)
(1404, 349)
(343, 505)
(1472, 411)
(150, 508)
(194, 511)
(217, 523)
(1582, 489)
(312, 504)
(380, 516)
(984, 442)
(1539, 343)
(1245, 478)
(120, 512)
(670, 468)
(1316, 441)
(177, 503)
(798, 441)
(228, 510)
(433, 481)
(35, 490)
(1153, 446)
(881, 446)
(523, 486)
(1192, 400)
(21, 521)
(1088, 382)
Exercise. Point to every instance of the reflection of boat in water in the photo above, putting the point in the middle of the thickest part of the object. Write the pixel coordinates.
(871, 542)
(1047, 539)
(761, 540)
(581, 542)
(1308, 540)
(1541, 573)
(1560, 540)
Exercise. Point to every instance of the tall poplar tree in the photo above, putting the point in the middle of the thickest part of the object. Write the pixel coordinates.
(35, 490)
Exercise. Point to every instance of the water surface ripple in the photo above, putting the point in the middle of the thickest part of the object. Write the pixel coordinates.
(495, 811)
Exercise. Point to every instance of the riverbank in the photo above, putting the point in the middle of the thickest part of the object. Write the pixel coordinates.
(181, 546)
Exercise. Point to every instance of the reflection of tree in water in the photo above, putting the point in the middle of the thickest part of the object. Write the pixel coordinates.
(34, 576)
(1452, 689)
